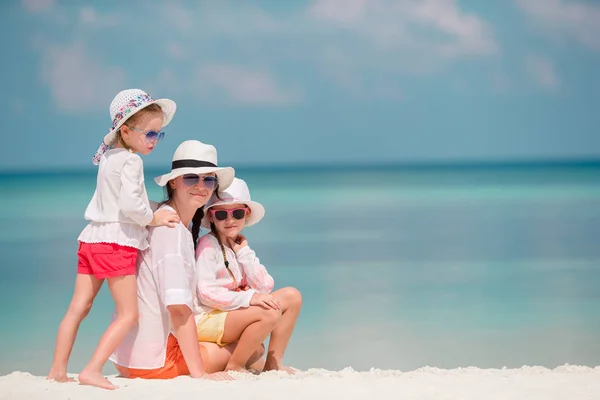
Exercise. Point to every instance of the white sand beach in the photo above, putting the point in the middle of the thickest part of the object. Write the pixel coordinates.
(531, 383)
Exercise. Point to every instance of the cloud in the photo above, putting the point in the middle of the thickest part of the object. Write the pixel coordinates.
(37, 5)
(239, 85)
(406, 37)
(438, 25)
(358, 47)
(89, 17)
(542, 71)
(77, 81)
(566, 20)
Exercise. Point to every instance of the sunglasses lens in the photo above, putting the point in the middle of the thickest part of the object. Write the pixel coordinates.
(221, 215)
(151, 136)
(239, 214)
(210, 182)
(190, 179)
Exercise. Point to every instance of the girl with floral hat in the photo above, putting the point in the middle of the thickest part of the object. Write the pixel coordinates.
(118, 213)
(234, 288)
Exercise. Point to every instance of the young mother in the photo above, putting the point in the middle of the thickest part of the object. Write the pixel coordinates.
(164, 344)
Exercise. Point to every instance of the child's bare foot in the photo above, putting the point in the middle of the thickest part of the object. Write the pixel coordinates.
(59, 376)
(95, 379)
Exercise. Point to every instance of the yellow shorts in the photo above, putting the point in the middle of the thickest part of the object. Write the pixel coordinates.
(211, 326)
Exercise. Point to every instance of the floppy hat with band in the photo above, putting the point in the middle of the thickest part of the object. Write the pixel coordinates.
(125, 104)
(195, 157)
(236, 193)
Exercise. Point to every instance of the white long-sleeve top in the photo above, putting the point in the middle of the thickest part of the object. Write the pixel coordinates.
(119, 210)
(216, 288)
(166, 276)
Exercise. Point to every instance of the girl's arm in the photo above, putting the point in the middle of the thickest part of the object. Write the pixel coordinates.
(212, 279)
(256, 274)
(133, 201)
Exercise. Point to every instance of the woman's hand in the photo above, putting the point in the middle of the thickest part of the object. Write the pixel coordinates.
(238, 243)
(264, 300)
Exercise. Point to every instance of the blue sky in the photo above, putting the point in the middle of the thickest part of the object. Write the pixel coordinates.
(323, 81)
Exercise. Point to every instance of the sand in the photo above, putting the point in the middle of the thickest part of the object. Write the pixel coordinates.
(531, 383)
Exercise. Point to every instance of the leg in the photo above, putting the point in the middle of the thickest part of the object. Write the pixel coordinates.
(124, 293)
(86, 289)
(250, 327)
(216, 357)
(291, 302)
(256, 363)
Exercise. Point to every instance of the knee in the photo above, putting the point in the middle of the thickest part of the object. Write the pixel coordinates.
(130, 318)
(293, 297)
(79, 310)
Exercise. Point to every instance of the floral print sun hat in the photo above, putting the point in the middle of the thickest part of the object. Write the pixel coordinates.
(125, 104)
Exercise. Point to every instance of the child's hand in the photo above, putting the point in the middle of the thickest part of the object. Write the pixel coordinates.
(238, 243)
(264, 300)
(165, 217)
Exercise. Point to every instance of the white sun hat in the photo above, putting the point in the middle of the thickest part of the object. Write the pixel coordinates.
(236, 193)
(195, 157)
(125, 104)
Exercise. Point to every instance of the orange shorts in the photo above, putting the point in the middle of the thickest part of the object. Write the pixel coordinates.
(174, 365)
(106, 260)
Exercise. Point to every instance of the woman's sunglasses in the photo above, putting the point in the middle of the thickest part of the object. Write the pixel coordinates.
(209, 182)
(237, 213)
(150, 136)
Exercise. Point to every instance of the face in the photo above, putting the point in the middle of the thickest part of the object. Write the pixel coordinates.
(135, 136)
(193, 192)
(230, 226)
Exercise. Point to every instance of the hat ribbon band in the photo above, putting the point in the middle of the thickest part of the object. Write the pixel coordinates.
(191, 164)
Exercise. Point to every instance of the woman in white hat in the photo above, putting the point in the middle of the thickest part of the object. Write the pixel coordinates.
(164, 344)
(118, 213)
(234, 288)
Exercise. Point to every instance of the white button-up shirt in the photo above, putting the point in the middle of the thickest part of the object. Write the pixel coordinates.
(166, 276)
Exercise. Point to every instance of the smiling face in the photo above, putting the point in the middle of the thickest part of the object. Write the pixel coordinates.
(194, 196)
(230, 226)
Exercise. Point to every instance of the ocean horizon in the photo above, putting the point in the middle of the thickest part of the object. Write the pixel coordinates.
(400, 266)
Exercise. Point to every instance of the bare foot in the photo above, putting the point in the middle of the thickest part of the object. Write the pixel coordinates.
(95, 379)
(59, 376)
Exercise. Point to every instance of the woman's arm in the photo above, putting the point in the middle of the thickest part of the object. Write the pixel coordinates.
(182, 320)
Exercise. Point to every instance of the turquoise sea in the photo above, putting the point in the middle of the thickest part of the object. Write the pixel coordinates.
(400, 267)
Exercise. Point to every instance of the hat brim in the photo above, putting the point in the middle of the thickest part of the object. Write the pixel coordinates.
(168, 107)
(257, 212)
(225, 175)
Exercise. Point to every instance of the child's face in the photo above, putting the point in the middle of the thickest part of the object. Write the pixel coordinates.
(135, 137)
(230, 226)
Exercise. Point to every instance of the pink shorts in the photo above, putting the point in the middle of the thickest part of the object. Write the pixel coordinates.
(106, 260)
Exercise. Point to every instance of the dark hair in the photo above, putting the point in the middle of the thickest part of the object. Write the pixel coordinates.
(196, 219)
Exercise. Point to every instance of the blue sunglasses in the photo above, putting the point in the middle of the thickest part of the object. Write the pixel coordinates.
(150, 136)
